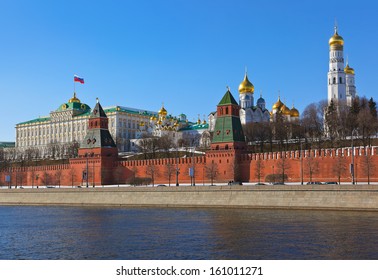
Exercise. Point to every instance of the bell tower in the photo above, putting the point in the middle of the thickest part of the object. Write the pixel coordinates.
(336, 73)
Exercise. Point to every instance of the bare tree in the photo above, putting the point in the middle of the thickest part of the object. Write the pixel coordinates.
(368, 165)
(259, 169)
(283, 166)
(339, 168)
(72, 175)
(72, 149)
(312, 167)
(58, 177)
(46, 180)
(165, 143)
(312, 122)
(152, 171)
(212, 171)
(169, 171)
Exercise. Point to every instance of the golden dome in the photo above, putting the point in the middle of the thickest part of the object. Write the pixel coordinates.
(246, 85)
(278, 104)
(294, 112)
(74, 99)
(336, 40)
(348, 70)
(162, 111)
(285, 111)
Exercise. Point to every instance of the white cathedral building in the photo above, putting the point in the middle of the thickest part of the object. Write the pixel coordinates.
(341, 79)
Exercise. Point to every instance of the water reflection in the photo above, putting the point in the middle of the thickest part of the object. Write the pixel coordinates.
(164, 233)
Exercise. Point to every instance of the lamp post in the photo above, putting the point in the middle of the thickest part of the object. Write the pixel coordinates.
(177, 169)
(87, 155)
(301, 159)
(352, 167)
(86, 170)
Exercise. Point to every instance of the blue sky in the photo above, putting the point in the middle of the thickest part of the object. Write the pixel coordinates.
(183, 53)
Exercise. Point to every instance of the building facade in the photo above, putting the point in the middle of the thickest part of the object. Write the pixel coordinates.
(69, 124)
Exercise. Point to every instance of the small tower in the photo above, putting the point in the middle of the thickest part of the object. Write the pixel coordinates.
(98, 153)
(336, 74)
(228, 132)
(98, 140)
(228, 141)
(350, 84)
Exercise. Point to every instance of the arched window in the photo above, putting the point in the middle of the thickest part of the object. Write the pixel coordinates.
(334, 80)
(341, 80)
(226, 110)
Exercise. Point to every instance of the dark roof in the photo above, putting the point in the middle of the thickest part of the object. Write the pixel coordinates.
(98, 112)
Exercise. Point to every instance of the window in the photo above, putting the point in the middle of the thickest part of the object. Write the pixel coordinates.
(334, 80)
(341, 80)
(226, 110)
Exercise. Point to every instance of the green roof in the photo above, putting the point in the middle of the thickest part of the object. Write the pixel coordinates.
(195, 127)
(7, 144)
(228, 99)
(42, 119)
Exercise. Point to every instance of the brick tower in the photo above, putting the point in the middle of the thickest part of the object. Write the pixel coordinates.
(98, 152)
(228, 140)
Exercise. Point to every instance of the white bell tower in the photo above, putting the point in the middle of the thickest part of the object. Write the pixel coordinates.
(336, 73)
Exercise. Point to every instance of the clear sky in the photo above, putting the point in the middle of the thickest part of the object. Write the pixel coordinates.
(183, 53)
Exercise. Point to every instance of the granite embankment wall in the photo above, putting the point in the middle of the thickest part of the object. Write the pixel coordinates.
(361, 197)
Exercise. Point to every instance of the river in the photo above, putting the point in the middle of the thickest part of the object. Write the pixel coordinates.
(102, 233)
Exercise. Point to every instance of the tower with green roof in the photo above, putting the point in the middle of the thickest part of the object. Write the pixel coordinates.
(228, 141)
(228, 131)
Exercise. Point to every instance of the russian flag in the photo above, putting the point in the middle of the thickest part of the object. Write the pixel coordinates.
(78, 79)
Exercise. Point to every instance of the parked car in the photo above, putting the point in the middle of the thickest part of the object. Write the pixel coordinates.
(161, 185)
(278, 183)
(314, 183)
(331, 183)
(260, 184)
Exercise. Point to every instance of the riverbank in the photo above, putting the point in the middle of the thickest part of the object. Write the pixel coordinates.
(338, 197)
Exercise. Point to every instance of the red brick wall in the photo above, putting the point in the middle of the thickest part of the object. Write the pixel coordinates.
(107, 170)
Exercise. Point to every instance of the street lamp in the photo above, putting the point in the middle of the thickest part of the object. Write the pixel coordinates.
(177, 169)
(86, 170)
(352, 167)
(301, 160)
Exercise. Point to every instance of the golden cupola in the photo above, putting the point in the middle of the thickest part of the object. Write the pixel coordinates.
(277, 105)
(74, 99)
(162, 111)
(285, 111)
(348, 70)
(294, 112)
(336, 42)
(246, 86)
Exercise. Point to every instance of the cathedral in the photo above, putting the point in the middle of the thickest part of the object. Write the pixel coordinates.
(341, 80)
(251, 113)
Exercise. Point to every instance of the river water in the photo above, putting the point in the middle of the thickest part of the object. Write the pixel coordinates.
(98, 233)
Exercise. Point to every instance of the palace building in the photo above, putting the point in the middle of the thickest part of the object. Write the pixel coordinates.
(69, 124)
